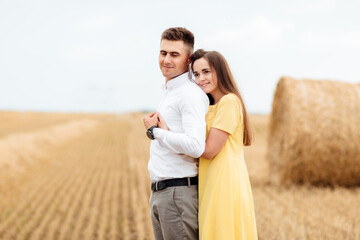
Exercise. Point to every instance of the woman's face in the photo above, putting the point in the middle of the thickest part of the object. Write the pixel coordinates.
(205, 77)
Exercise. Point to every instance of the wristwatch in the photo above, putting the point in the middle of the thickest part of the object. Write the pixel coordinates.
(150, 133)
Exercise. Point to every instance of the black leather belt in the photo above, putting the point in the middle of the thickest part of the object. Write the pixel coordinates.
(160, 185)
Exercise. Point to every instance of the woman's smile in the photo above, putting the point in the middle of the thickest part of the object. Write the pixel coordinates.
(203, 85)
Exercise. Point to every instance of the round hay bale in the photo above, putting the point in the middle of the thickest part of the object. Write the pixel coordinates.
(314, 134)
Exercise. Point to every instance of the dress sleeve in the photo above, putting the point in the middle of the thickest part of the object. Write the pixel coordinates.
(228, 114)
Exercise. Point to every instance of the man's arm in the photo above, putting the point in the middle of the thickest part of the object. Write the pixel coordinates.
(191, 142)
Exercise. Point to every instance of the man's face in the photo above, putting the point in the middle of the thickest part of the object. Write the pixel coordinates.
(173, 58)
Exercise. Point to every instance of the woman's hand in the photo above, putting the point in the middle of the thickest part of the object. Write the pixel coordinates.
(161, 123)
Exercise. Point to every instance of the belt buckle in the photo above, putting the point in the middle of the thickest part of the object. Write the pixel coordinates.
(158, 186)
(154, 186)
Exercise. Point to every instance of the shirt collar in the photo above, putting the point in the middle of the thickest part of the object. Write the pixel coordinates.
(176, 82)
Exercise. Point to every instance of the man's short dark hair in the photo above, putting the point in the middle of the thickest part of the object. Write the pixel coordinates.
(179, 33)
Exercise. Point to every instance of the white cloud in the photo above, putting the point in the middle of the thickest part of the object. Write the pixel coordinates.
(83, 52)
(302, 7)
(346, 40)
(312, 38)
(257, 32)
(319, 5)
(97, 22)
(350, 39)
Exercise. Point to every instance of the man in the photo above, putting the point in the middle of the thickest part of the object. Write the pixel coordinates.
(174, 152)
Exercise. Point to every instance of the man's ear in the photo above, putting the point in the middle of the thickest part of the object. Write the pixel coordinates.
(189, 60)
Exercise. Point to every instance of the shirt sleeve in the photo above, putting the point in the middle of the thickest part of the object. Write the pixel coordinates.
(228, 115)
(193, 108)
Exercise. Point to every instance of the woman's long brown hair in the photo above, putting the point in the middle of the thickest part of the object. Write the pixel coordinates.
(226, 84)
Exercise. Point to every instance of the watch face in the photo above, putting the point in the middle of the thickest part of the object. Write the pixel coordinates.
(148, 133)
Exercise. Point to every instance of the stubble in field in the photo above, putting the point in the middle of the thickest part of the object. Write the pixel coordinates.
(95, 185)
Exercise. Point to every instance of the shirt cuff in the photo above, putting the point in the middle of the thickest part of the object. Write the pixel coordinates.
(159, 133)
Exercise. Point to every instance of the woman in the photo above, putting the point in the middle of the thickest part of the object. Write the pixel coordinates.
(226, 208)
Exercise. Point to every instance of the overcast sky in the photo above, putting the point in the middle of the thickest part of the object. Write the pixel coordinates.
(102, 56)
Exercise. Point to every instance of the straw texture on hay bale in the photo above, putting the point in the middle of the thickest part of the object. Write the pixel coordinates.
(314, 134)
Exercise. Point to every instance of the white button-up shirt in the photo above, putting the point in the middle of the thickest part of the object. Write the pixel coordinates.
(174, 153)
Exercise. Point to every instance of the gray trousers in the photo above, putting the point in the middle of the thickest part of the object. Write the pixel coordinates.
(174, 213)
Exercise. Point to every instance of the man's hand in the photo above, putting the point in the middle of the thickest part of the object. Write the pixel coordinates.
(162, 123)
(151, 120)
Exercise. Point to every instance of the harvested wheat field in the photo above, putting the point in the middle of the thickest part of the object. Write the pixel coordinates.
(83, 176)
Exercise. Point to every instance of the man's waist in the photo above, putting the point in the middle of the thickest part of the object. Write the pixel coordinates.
(164, 173)
(160, 185)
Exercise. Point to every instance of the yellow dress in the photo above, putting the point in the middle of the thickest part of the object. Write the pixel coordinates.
(226, 209)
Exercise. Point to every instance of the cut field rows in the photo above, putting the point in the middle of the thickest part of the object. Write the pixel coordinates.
(96, 186)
